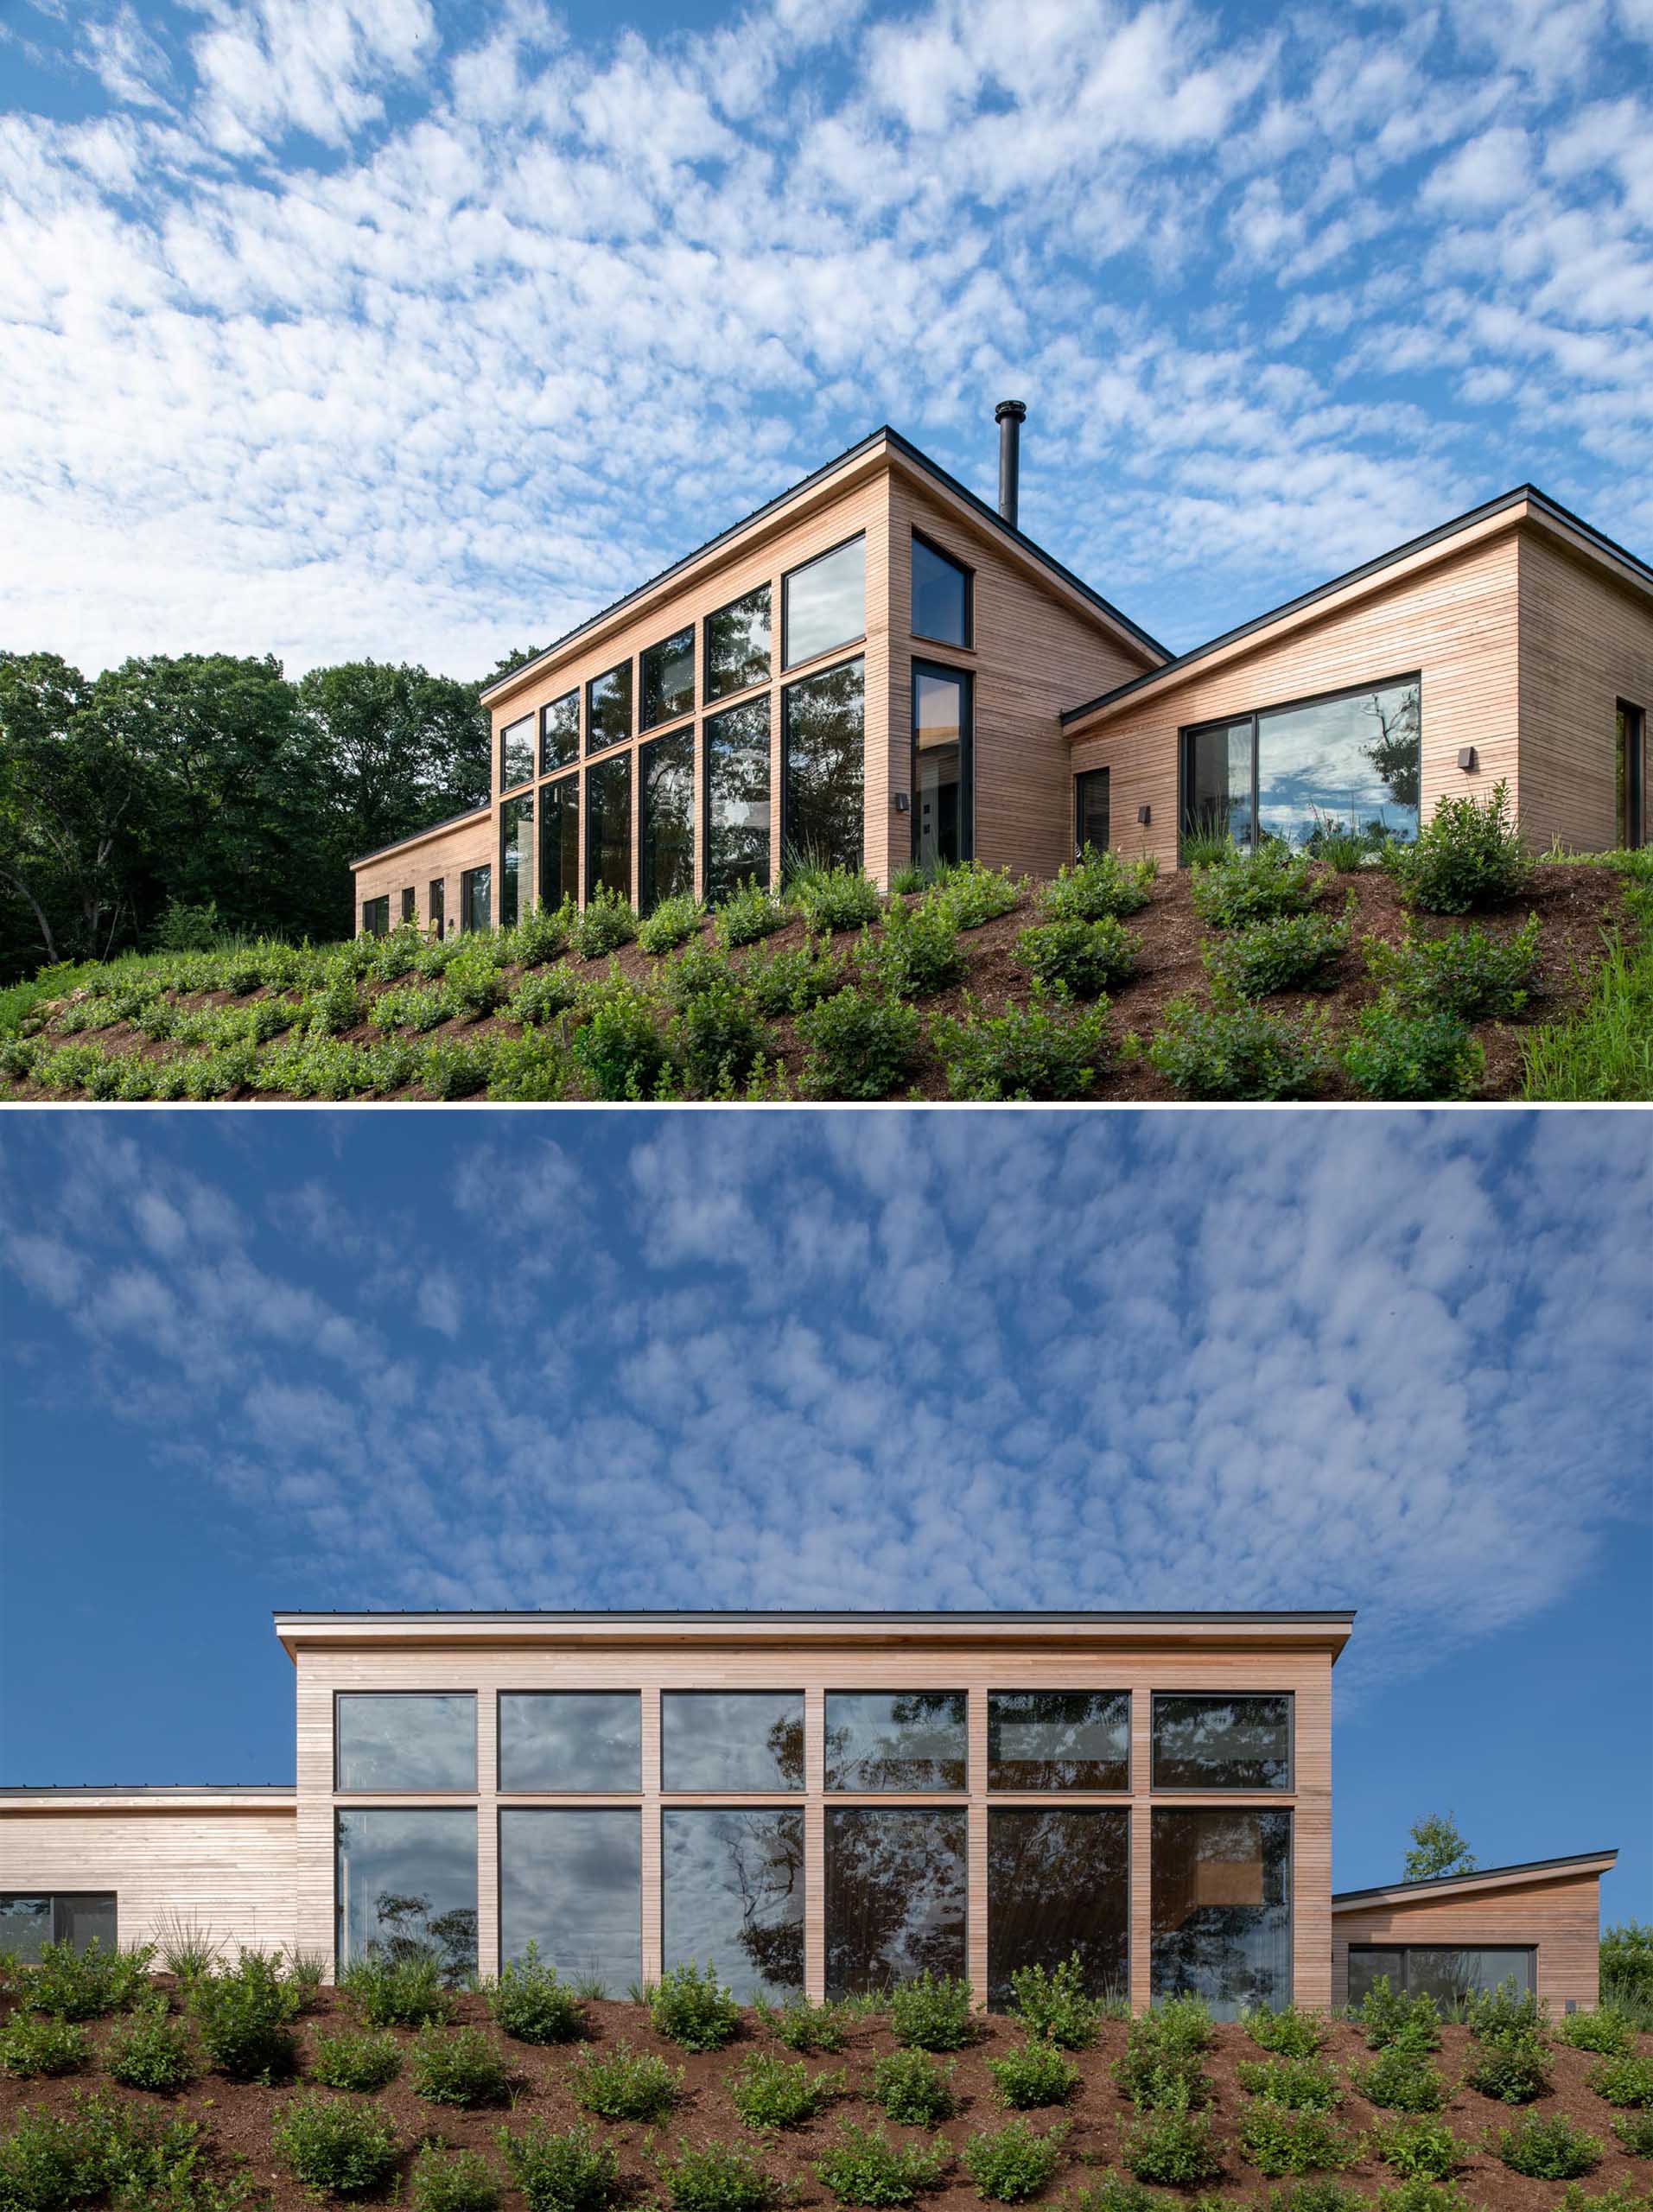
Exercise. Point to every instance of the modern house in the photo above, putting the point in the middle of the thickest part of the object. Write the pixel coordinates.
(879, 668)
(828, 1802)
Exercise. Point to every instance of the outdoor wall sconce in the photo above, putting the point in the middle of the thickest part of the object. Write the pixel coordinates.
(902, 803)
(1145, 815)
(1466, 760)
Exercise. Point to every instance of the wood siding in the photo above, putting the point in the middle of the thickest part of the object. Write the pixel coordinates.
(441, 853)
(1561, 1915)
(1587, 642)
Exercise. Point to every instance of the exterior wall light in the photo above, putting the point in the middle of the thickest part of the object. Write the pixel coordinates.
(1466, 760)
(1145, 815)
(901, 803)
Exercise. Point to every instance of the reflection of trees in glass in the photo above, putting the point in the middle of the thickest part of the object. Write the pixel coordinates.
(404, 1928)
(1221, 1904)
(1057, 1739)
(1397, 751)
(1058, 1885)
(1239, 1743)
(667, 818)
(824, 750)
(669, 679)
(737, 644)
(895, 1896)
(766, 1870)
(915, 1740)
(737, 813)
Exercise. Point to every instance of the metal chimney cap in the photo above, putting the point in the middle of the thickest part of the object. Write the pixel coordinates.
(1015, 409)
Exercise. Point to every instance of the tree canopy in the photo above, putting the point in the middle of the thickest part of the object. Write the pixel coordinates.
(1437, 1848)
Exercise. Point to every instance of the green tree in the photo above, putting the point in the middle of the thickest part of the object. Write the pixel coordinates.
(401, 749)
(1438, 1848)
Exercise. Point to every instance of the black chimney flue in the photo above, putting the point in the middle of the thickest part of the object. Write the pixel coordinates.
(1009, 415)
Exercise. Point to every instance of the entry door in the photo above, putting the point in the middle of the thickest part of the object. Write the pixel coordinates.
(1091, 811)
(1630, 745)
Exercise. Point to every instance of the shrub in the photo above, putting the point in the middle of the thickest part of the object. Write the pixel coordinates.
(864, 2167)
(932, 2012)
(1394, 1054)
(1280, 2141)
(1096, 885)
(1037, 2074)
(802, 2026)
(544, 995)
(693, 2008)
(459, 2066)
(1287, 2032)
(188, 1948)
(529, 2002)
(912, 2089)
(1468, 855)
(455, 2181)
(749, 913)
(607, 922)
(1117, 2193)
(244, 2020)
(335, 1007)
(535, 1066)
(1084, 958)
(411, 1009)
(50, 2160)
(1389, 2018)
(619, 1046)
(1421, 2194)
(1237, 1051)
(452, 1069)
(1255, 885)
(719, 1038)
(569, 2171)
(1623, 2080)
(789, 980)
(672, 922)
(1177, 2148)
(1515, 2073)
(1634, 2132)
(770, 2092)
(859, 1045)
(1038, 1051)
(1293, 952)
(1299, 2084)
(150, 2051)
(1010, 2163)
(717, 2178)
(1402, 2078)
(1465, 972)
(87, 1984)
(1604, 2030)
(1547, 2149)
(1417, 2147)
(914, 955)
(1161, 2068)
(474, 987)
(357, 2059)
(1505, 2015)
(1054, 2005)
(1626, 1957)
(343, 2148)
(305, 1973)
(542, 934)
(972, 895)
(396, 1992)
(833, 898)
(624, 2084)
(32, 2045)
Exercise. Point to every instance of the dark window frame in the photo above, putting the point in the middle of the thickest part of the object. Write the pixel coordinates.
(1003, 1792)
(622, 1803)
(683, 713)
(628, 664)
(531, 723)
(1075, 1801)
(369, 908)
(859, 1793)
(570, 774)
(418, 1796)
(1354, 1950)
(1256, 1802)
(547, 769)
(1082, 776)
(1634, 774)
(739, 1799)
(397, 1802)
(711, 700)
(966, 678)
(614, 1798)
(831, 668)
(880, 1803)
(845, 648)
(436, 904)
(738, 703)
(56, 1897)
(966, 643)
(1265, 1793)
(527, 883)
(468, 876)
(609, 756)
(409, 903)
(671, 734)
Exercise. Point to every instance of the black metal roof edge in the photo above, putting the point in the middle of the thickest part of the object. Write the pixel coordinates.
(1434, 1881)
(450, 822)
(1329, 1614)
(1490, 507)
(862, 445)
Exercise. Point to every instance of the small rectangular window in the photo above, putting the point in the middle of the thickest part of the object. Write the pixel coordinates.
(608, 709)
(1629, 775)
(436, 904)
(823, 604)
(516, 753)
(737, 799)
(941, 594)
(476, 898)
(732, 1739)
(409, 904)
(669, 679)
(737, 644)
(1092, 810)
(516, 860)
(609, 827)
(1223, 1741)
(376, 916)
(895, 1739)
(28, 1921)
(666, 855)
(556, 1740)
(1059, 1740)
(559, 840)
(559, 733)
(392, 1740)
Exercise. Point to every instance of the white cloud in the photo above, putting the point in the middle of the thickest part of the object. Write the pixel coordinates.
(1489, 174)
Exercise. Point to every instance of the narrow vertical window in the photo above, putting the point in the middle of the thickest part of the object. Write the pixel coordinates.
(941, 766)
(1629, 776)
(667, 855)
(1092, 812)
(559, 733)
(476, 898)
(516, 753)
(436, 904)
(941, 595)
(409, 904)
(824, 744)
(516, 860)
(559, 840)
(609, 827)
(608, 709)
(737, 799)
(669, 679)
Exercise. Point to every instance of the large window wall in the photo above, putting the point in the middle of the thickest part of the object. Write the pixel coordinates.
(1347, 761)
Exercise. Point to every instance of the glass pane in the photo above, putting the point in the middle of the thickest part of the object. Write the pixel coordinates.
(407, 1886)
(516, 860)
(1222, 1743)
(559, 841)
(668, 843)
(824, 747)
(1217, 783)
(1059, 1740)
(572, 1881)
(570, 1739)
(824, 604)
(1093, 823)
(904, 1739)
(517, 752)
(732, 1739)
(476, 898)
(1059, 1881)
(737, 644)
(734, 1896)
(940, 726)
(608, 707)
(559, 733)
(1344, 764)
(669, 679)
(25, 1924)
(941, 601)
(436, 903)
(1368, 1966)
(1450, 1976)
(609, 829)
(406, 1743)
(895, 1896)
(1221, 1903)
(83, 1920)
(737, 799)
(376, 916)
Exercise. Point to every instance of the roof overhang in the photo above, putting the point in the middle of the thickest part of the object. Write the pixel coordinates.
(158, 1797)
(1485, 1879)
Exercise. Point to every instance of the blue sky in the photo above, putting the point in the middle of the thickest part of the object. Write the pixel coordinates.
(1392, 1361)
(418, 328)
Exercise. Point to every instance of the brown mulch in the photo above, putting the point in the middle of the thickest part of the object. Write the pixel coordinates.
(239, 2117)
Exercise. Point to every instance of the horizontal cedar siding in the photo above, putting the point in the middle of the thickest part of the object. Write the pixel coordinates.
(1563, 1917)
(1585, 643)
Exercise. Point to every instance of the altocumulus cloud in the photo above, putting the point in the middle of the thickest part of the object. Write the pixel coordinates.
(882, 1361)
(411, 328)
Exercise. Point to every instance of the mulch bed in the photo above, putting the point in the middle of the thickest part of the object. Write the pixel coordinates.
(240, 2117)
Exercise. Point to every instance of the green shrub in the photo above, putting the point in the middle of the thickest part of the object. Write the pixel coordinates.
(32, 2045)
(141, 2161)
(970, 895)
(415, 1008)
(451, 1069)
(89, 1984)
(771, 2092)
(621, 2083)
(1083, 958)
(1620, 2198)
(474, 988)
(1300, 2084)
(1505, 2015)
(1389, 2018)
(1623, 2080)
(1054, 2005)
(335, 1007)
(529, 2003)
(1465, 973)
(542, 934)
(789, 979)
(569, 2171)
(1421, 2194)
(719, 1039)
(1161, 2065)
(1634, 2132)
(1044, 1050)
(749, 913)
(187, 1946)
(859, 1046)
(1096, 885)
(1417, 2147)
(459, 2066)
(536, 1066)
(864, 2167)
(933, 2012)
(1394, 1054)
(619, 1046)
(1177, 2148)
(1010, 2163)
(1323, 2195)
(1293, 952)
(1235, 1050)
(832, 899)
(1515, 2073)
(150, 2051)
(355, 2059)
(455, 2181)
(912, 2088)
(1278, 2140)
(802, 2026)
(396, 1992)
(1468, 855)
(914, 955)
(1287, 2032)
(244, 2020)
(1261, 885)
(1626, 1952)
(304, 1973)
(1038, 2074)
(693, 2008)
(542, 996)
(718, 2177)
(1402, 2078)
(607, 922)
(1547, 2149)
(1117, 2193)
(672, 922)
(345, 2149)
(1604, 2030)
